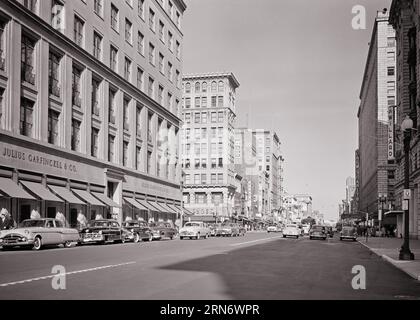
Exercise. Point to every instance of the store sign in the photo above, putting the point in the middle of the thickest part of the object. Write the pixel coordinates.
(391, 134)
(405, 205)
(407, 194)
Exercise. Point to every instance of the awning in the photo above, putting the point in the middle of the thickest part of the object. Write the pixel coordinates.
(207, 218)
(155, 205)
(393, 213)
(146, 204)
(106, 200)
(41, 191)
(162, 208)
(185, 210)
(174, 208)
(11, 188)
(168, 208)
(66, 194)
(85, 195)
(134, 203)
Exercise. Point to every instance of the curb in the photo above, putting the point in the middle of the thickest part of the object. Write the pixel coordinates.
(391, 261)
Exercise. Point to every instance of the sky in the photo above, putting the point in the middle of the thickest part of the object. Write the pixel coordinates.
(300, 66)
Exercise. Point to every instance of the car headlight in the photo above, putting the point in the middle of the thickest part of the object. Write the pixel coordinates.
(24, 239)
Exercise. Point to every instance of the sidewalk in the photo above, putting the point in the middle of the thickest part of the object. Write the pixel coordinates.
(388, 249)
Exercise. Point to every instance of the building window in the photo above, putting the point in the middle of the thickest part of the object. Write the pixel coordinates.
(27, 58)
(214, 117)
(114, 17)
(391, 42)
(178, 19)
(126, 104)
(160, 95)
(97, 7)
(213, 86)
(221, 87)
(111, 146)
(95, 97)
(94, 143)
(128, 31)
(213, 178)
(197, 117)
(149, 128)
(391, 71)
(141, 8)
(169, 101)
(1, 105)
(204, 163)
(220, 101)
(151, 88)
(161, 63)
(75, 135)
(197, 102)
(188, 87)
(391, 87)
(204, 102)
(204, 87)
(196, 179)
(140, 43)
(220, 116)
(125, 153)
(151, 20)
(111, 114)
(54, 74)
(170, 41)
(30, 5)
(149, 162)
(138, 158)
(140, 79)
(213, 101)
(97, 46)
(127, 69)
(26, 117)
(178, 78)
(76, 75)
(138, 122)
(78, 31)
(220, 178)
(188, 118)
(53, 126)
(113, 58)
(178, 49)
(152, 54)
(161, 31)
(57, 15)
(187, 103)
(220, 161)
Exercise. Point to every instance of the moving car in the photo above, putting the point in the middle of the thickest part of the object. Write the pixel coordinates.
(194, 229)
(36, 233)
(291, 230)
(137, 231)
(227, 230)
(348, 233)
(330, 231)
(318, 232)
(162, 230)
(102, 231)
(306, 228)
(273, 228)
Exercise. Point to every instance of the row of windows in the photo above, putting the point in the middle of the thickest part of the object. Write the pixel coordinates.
(199, 179)
(216, 101)
(202, 198)
(202, 87)
(215, 163)
(202, 148)
(201, 133)
(201, 117)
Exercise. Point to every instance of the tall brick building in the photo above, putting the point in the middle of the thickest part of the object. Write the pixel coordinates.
(404, 17)
(375, 156)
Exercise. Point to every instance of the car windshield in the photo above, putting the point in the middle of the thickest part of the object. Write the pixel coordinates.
(132, 224)
(192, 224)
(291, 226)
(318, 228)
(99, 223)
(32, 223)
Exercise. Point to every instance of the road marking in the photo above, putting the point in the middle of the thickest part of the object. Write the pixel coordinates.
(241, 243)
(67, 273)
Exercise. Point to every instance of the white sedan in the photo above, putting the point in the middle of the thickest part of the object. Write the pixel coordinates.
(292, 230)
(194, 230)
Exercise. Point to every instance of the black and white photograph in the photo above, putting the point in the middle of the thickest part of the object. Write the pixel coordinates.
(211, 153)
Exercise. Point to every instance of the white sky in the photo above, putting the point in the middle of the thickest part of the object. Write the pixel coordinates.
(300, 65)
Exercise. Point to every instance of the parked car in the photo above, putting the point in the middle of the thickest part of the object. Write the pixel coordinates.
(36, 233)
(227, 230)
(212, 228)
(291, 230)
(162, 230)
(102, 231)
(137, 231)
(194, 230)
(348, 233)
(318, 232)
(273, 228)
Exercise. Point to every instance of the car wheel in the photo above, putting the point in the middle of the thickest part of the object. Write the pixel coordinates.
(207, 236)
(67, 244)
(341, 239)
(181, 238)
(297, 237)
(284, 236)
(37, 243)
(150, 238)
(310, 238)
(136, 238)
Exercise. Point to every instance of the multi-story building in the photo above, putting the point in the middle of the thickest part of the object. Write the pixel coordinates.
(355, 208)
(90, 96)
(404, 17)
(298, 206)
(376, 156)
(208, 114)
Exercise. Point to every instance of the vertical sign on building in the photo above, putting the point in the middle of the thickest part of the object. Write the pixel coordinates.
(391, 151)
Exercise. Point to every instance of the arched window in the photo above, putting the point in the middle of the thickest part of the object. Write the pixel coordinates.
(221, 86)
(197, 87)
(204, 87)
(213, 86)
(188, 87)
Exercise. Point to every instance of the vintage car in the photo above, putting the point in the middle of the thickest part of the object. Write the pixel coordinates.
(330, 231)
(306, 228)
(102, 231)
(212, 228)
(348, 233)
(36, 233)
(194, 230)
(137, 231)
(162, 230)
(318, 232)
(227, 230)
(242, 230)
(292, 230)
(273, 228)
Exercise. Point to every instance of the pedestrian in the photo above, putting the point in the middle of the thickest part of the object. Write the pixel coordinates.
(81, 220)
(61, 217)
(35, 214)
(6, 220)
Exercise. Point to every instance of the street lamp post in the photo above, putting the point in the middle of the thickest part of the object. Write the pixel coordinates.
(406, 126)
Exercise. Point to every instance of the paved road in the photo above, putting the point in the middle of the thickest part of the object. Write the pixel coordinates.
(257, 266)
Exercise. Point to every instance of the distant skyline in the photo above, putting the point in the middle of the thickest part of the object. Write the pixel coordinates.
(300, 65)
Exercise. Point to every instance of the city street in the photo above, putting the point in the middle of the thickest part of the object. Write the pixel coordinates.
(256, 266)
